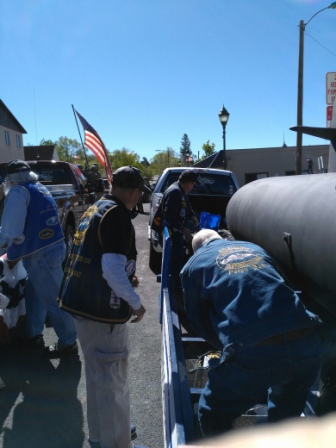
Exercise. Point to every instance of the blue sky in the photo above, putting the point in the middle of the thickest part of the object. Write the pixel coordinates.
(144, 72)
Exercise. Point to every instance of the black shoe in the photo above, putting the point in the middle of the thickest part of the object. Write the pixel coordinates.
(56, 350)
(36, 341)
(134, 434)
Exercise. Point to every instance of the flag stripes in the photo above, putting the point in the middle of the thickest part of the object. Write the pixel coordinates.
(93, 141)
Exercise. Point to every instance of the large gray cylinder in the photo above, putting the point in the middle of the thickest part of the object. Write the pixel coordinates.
(294, 219)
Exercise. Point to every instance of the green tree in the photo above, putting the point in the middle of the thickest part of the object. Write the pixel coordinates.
(164, 159)
(46, 142)
(124, 157)
(185, 148)
(208, 148)
(67, 147)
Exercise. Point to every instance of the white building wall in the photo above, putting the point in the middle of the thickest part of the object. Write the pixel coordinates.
(15, 148)
(277, 161)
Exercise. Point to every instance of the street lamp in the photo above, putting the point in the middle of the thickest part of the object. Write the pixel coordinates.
(302, 26)
(187, 157)
(224, 118)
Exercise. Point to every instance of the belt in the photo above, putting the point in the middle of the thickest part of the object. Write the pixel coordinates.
(289, 336)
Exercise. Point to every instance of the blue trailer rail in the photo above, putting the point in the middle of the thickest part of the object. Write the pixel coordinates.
(178, 419)
(179, 353)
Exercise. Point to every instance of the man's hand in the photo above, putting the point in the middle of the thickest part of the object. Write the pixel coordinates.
(135, 281)
(139, 314)
(195, 222)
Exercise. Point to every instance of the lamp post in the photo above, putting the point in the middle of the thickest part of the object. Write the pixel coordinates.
(224, 118)
(187, 157)
(302, 26)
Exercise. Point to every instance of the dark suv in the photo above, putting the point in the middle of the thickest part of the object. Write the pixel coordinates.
(215, 189)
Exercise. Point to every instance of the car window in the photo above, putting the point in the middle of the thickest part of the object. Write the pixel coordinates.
(47, 173)
(171, 178)
(210, 184)
(51, 174)
(214, 184)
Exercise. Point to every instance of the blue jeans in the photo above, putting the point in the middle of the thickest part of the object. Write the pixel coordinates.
(280, 374)
(44, 269)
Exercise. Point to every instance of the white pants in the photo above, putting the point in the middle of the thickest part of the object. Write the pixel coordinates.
(105, 348)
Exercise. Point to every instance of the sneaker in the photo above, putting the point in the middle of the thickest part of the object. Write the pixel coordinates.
(57, 350)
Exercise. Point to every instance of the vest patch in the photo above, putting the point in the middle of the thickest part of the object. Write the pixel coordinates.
(238, 259)
(114, 301)
(19, 240)
(53, 221)
(45, 234)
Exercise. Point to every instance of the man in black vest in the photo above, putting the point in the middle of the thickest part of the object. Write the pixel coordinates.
(97, 290)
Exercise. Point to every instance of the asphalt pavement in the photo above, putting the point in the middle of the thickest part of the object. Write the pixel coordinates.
(43, 401)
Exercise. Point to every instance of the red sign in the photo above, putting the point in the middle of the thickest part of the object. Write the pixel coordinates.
(329, 113)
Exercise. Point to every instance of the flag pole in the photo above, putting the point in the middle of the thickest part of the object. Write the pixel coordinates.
(86, 160)
(107, 164)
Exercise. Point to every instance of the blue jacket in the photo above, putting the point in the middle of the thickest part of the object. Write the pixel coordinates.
(42, 227)
(235, 297)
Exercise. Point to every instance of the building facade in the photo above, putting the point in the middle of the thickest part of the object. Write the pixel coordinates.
(255, 163)
(11, 141)
(11, 132)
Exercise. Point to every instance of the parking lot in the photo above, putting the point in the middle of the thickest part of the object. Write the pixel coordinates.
(43, 401)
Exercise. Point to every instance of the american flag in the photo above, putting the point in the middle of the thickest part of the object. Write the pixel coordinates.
(96, 145)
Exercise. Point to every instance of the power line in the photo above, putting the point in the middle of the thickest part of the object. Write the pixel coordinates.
(319, 43)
